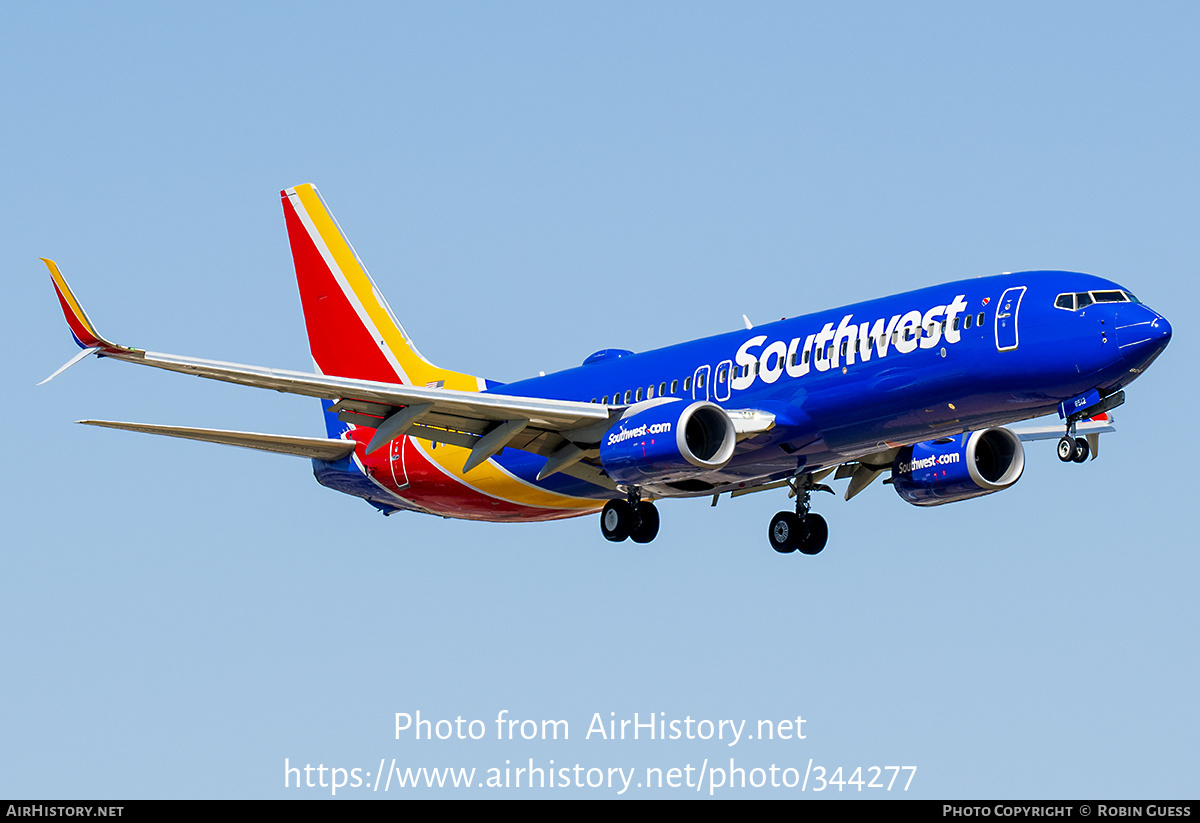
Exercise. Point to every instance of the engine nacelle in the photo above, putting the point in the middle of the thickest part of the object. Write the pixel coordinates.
(958, 468)
(669, 441)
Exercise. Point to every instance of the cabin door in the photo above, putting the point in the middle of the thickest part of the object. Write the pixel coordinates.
(1006, 318)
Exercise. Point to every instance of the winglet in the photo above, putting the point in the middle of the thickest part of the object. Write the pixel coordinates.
(81, 327)
(82, 330)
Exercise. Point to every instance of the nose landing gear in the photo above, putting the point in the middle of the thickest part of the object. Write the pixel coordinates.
(1071, 448)
(802, 530)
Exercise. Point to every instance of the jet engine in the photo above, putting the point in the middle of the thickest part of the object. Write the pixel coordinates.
(958, 468)
(668, 441)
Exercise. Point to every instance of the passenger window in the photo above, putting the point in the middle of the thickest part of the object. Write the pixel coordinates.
(675, 386)
(605, 400)
(721, 374)
(662, 389)
(806, 353)
(650, 393)
(954, 325)
(627, 395)
(687, 384)
(637, 397)
(979, 319)
(967, 321)
(844, 344)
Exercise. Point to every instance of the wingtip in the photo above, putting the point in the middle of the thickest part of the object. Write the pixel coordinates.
(81, 327)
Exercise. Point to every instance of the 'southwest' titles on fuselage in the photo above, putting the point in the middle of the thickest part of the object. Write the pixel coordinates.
(832, 346)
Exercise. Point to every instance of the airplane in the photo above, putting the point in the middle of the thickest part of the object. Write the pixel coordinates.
(921, 385)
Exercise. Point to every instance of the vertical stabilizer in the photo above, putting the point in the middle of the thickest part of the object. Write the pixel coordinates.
(351, 329)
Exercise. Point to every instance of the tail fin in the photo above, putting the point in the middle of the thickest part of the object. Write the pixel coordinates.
(351, 329)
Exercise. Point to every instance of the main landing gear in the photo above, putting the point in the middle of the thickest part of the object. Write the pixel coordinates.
(1072, 448)
(630, 518)
(803, 530)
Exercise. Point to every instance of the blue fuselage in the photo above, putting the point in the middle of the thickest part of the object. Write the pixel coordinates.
(857, 380)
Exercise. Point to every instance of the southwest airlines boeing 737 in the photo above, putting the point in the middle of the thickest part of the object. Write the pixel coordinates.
(919, 385)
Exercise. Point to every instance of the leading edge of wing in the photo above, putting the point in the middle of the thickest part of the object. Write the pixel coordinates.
(556, 415)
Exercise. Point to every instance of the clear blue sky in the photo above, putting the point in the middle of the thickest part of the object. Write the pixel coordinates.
(529, 183)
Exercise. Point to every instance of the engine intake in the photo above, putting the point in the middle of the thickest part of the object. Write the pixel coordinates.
(958, 468)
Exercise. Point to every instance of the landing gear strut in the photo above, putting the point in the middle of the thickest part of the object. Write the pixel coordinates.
(629, 518)
(1072, 448)
(803, 530)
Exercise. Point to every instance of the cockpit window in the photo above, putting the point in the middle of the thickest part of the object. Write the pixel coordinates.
(1079, 300)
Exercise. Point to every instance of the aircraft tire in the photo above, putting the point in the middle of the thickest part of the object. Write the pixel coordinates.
(785, 532)
(816, 533)
(647, 523)
(1066, 449)
(1082, 450)
(616, 520)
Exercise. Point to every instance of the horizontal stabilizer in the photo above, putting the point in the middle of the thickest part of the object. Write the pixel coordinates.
(313, 447)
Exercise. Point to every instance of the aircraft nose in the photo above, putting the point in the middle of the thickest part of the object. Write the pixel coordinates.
(1162, 330)
(1145, 340)
(1159, 331)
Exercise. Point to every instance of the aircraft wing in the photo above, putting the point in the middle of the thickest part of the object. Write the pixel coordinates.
(564, 430)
